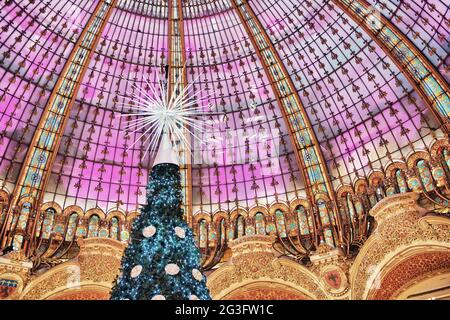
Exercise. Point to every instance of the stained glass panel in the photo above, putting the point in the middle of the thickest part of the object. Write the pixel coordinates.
(425, 175)
(305, 227)
(71, 227)
(114, 232)
(350, 207)
(281, 223)
(240, 226)
(260, 224)
(401, 182)
(49, 219)
(203, 234)
(446, 155)
(94, 222)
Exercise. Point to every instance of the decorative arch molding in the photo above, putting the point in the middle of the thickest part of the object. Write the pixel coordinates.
(95, 211)
(404, 230)
(262, 290)
(83, 292)
(409, 265)
(434, 286)
(394, 166)
(438, 146)
(53, 205)
(344, 189)
(375, 178)
(95, 269)
(116, 213)
(407, 167)
(298, 202)
(73, 209)
(236, 213)
(253, 263)
(418, 155)
(132, 215)
(219, 216)
(202, 216)
(279, 206)
(253, 211)
(360, 185)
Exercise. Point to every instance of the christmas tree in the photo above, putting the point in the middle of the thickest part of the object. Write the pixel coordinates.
(162, 261)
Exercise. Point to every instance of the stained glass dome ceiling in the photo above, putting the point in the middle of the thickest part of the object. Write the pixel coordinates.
(363, 110)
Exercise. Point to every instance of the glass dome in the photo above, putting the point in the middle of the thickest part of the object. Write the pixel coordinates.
(363, 105)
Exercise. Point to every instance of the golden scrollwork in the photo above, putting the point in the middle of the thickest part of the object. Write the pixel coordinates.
(94, 270)
(253, 261)
(402, 227)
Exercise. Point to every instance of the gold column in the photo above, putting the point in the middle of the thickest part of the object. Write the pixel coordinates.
(421, 74)
(36, 168)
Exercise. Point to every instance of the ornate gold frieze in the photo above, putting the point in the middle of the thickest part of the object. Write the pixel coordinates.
(403, 230)
(94, 270)
(253, 261)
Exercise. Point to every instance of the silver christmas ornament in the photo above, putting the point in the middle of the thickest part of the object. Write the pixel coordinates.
(180, 232)
(197, 275)
(136, 271)
(172, 269)
(149, 231)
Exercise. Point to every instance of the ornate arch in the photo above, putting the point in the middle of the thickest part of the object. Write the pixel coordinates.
(403, 231)
(298, 202)
(437, 147)
(374, 176)
(393, 167)
(254, 264)
(279, 206)
(253, 211)
(416, 156)
(412, 264)
(267, 290)
(361, 185)
(95, 211)
(202, 216)
(82, 292)
(4, 196)
(94, 271)
(116, 213)
(132, 215)
(53, 205)
(218, 216)
(236, 213)
(73, 209)
(343, 189)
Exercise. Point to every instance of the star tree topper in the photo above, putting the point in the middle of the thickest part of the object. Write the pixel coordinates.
(161, 118)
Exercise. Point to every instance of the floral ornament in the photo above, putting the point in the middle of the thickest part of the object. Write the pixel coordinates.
(197, 275)
(149, 231)
(136, 271)
(180, 232)
(172, 269)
